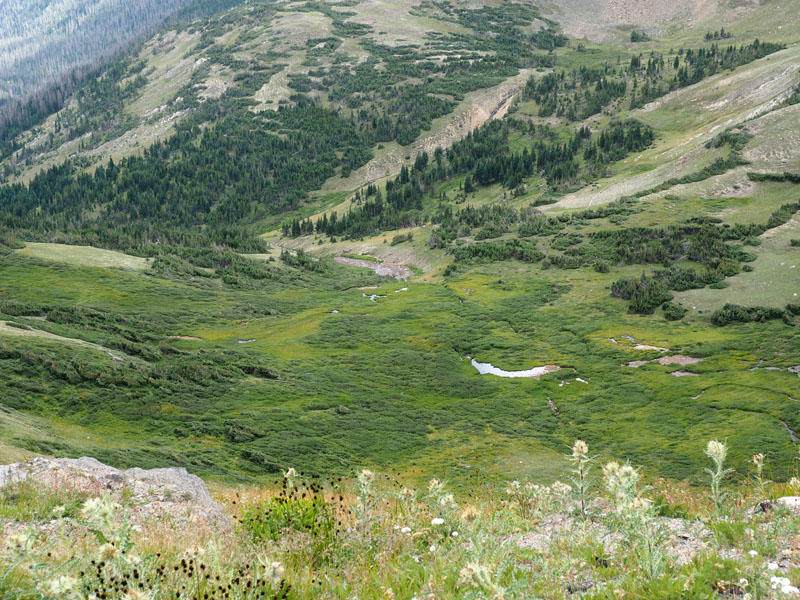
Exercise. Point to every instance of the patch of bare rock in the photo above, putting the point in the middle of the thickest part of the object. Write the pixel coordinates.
(151, 493)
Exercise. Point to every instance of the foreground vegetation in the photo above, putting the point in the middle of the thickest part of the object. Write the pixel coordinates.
(603, 534)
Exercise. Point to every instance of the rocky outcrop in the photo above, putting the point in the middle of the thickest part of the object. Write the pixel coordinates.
(169, 492)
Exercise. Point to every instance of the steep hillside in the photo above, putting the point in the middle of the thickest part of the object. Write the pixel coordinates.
(591, 239)
(44, 39)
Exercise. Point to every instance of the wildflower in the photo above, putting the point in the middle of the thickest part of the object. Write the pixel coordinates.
(405, 530)
(470, 513)
(407, 494)
(60, 586)
(580, 449)
(98, 509)
(17, 542)
(290, 474)
(561, 489)
(434, 485)
(447, 501)
(758, 460)
(432, 548)
(454, 534)
(275, 572)
(195, 551)
(136, 595)
(471, 575)
(108, 552)
(753, 553)
(59, 511)
(478, 576)
(366, 477)
(437, 521)
(716, 451)
(396, 527)
(772, 566)
(794, 483)
(512, 488)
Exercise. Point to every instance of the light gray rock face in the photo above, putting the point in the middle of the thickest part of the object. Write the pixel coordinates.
(151, 492)
(790, 502)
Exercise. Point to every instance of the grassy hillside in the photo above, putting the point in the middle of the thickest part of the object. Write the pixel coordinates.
(587, 205)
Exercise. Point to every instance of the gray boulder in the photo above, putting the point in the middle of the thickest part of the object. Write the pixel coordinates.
(170, 492)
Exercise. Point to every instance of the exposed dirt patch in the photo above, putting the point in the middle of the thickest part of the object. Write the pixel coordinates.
(382, 269)
(602, 19)
(678, 359)
(190, 338)
(477, 108)
(675, 359)
(648, 347)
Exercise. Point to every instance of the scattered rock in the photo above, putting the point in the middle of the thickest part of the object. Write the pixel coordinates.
(684, 374)
(152, 493)
(246, 341)
(648, 347)
(638, 363)
(678, 359)
(790, 502)
(383, 269)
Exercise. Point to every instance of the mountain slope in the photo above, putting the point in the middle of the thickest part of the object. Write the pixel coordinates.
(43, 39)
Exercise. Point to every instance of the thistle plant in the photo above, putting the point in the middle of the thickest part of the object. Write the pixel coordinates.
(634, 513)
(581, 466)
(717, 452)
(367, 500)
(476, 575)
(759, 480)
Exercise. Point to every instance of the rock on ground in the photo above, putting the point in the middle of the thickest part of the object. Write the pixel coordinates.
(169, 492)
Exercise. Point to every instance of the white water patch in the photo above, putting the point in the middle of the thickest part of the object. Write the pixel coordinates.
(490, 369)
(372, 297)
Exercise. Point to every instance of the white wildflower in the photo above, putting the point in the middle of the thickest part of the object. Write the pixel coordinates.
(59, 511)
(407, 494)
(405, 530)
(772, 566)
(512, 488)
(365, 478)
(290, 473)
(108, 552)
(99, 509)
(17, 542)
(447, 501)
(60, 586)
(753, 553)
(432, 548)
(437, 521)
(580, 450)
(454, 534)
(758, 460)
(561, 489)
(275, 572)
(472, 575)
(717, 451)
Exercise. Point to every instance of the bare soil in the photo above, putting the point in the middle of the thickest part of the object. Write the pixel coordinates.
(383, 269)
